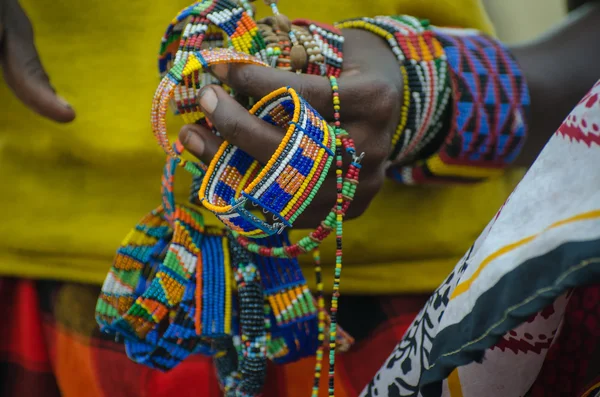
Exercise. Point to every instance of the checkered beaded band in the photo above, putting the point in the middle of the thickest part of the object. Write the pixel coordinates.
(286, 185)
(186, 66)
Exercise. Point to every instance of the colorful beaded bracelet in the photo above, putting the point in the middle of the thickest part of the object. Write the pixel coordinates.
(212, 24)
(186, 66)
(427, 86)
(490, 106)
(207, 24)
(286, 185)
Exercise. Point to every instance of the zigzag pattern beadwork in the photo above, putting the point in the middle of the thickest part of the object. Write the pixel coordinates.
(491, 104)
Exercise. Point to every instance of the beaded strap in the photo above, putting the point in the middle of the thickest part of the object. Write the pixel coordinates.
(243, 374)
(286, 185)
(491, 105)
(149, 295)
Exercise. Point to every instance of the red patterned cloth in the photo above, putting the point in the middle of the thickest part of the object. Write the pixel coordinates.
(572, 365)
(51, 346)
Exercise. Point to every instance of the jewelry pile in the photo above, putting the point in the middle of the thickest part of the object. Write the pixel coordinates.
(236, 293)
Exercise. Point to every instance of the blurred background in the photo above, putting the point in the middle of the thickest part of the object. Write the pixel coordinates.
(518, 20)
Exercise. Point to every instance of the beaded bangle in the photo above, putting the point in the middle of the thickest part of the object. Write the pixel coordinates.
(315, 238)
(286, 185)
(427, 86)
(491, 104)
(187, 65)
(207, 24)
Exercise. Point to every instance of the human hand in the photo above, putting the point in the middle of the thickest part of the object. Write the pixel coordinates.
(370, 88)
(21, 66)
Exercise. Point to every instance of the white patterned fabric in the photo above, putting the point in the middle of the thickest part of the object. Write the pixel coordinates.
(488, 327)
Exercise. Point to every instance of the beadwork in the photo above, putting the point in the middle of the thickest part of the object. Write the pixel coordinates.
(186, 304)
(210, 24)
(152, 277)
(427, 87)
(243, 374)
(186, 66)
(286, 185)
(487, 128)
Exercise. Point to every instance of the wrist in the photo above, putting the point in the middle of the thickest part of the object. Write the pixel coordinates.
(426, 88)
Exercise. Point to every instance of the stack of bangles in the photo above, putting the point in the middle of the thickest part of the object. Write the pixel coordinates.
(236, 292)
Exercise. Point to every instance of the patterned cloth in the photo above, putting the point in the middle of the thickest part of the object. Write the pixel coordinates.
(51, 347)
(516, 304)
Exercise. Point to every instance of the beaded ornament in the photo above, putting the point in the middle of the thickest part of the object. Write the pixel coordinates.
(170, 292)
(427, 86)
(286, 185)
(487, 127)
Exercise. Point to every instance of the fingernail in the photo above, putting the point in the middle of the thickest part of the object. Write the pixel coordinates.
(208, 100)
(63, 102)
(220, 70)
(192, 140)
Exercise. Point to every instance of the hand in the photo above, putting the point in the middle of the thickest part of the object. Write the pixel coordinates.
(23, 71)
(370, 90)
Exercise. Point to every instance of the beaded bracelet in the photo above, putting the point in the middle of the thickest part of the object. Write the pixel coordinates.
(488, 126)
(211, 24)
(315, 238)
(427, 86)
(286, 185)
(203, 25)
(187, 65)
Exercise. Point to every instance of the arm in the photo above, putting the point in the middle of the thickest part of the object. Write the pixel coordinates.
(560, 67)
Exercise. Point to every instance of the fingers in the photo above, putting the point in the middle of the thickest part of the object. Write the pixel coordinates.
(258, 81)
(23, 70)
(200, 141)
(256, 137)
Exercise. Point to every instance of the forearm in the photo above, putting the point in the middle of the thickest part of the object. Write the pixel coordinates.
(560, 67)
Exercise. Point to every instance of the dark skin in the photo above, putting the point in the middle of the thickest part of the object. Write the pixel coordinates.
(557, 67)
(560, 67)
(22, 68)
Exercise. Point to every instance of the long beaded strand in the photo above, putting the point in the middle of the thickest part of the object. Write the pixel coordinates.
(338, 237)
(321, 323)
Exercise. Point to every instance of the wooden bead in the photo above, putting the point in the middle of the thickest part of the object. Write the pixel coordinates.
(298, 57)
(269, 21)
(284, 23)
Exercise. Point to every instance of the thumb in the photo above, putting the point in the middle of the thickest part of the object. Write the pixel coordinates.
(23, 70)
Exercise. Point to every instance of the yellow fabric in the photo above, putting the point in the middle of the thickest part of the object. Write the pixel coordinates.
(70, 193)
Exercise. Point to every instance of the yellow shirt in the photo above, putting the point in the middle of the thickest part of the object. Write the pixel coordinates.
(71, 192)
